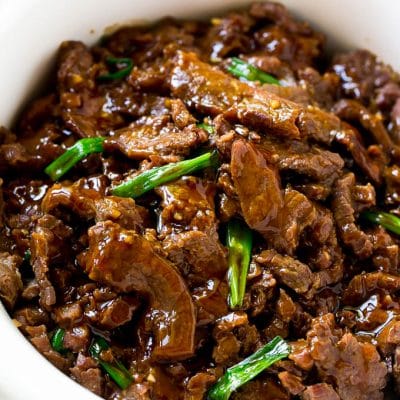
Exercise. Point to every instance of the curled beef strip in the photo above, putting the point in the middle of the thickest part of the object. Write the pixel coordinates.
(10, 279)
(279, 217)
(348, 200)
(127, 262)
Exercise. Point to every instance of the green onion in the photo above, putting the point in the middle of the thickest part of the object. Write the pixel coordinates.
(250, 367)
(239, 243)
(57, 341)
(389, 221)
(241, 69)
(124, 68)
(27, 256)
(116, 370)
(154, 177)
(207, 127)
(73, 155)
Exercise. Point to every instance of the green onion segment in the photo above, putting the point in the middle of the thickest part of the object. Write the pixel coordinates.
(116, 370)
(239, 374)
(154, 177)
(389, 221)
(123, 65)
(239, 240)
(57, 341)
(81, 149)
(241, 69)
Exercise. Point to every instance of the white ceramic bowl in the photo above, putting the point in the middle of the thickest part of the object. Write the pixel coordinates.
(30, 32)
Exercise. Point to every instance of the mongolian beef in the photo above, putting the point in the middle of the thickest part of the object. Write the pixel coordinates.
(207, 210)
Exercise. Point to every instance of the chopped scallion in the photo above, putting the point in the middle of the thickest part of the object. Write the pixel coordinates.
(239, 374)
(239, 243)
(81, 149)
(242, 69)
(57, 341)
(116, 370)
(124, 67)
(389, 221)
(154, 177)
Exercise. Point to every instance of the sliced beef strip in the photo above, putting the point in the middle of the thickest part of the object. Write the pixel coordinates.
(31, 316)
(156, 136)
(299, 157)
(10, 279)
(279, 217)
(187, 204)
(126, 261)
(212, 92)
(320, 391)
(188, 226)
(48, 243)
(210, 300)
(234, 335)
(354, 367)
(385, 255)
(363, 285)
(361, 74)
(39, 337)
(291, 383)
(391, 175)
(90, 204)
(351, 110)
(198, 385)
(87, 372)
(290, 272)
(348, 200)
(197, 254)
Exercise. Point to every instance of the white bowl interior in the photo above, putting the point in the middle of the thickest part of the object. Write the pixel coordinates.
(30, 32)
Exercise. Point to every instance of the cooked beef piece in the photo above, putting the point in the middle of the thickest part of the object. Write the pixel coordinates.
(290, 272)
(198, 386)
(391, 176)
(351, 110)
(210, 91)
(361, 286)
(48, 244)
(346, 205)
(354, 367)
(39, 337)
(188, 225)
(10, 279)
(320, 391)
(91, 204)
(127, 262)
(385, 256)
(156, 136)
(87, 373)
(299, 164)
(279, 217)
(299, 157)
(361, 74)
(291, 383)
(31, 316)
